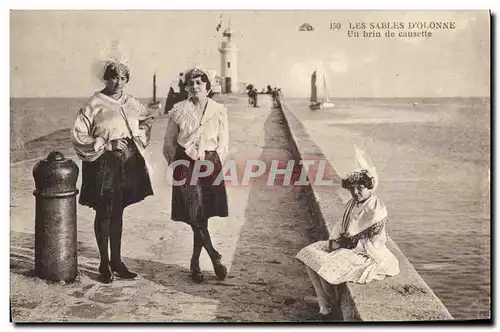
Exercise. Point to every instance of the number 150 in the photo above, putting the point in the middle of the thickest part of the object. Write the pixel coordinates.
(335, 25)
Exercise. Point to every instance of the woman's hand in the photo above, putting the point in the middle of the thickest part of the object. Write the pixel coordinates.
(118, 148)
(333, 245)
(117, 144)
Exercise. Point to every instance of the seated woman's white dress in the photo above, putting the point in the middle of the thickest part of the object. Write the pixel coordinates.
(363, 255)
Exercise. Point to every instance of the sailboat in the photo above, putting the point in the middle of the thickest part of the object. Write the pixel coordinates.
(154, 103)
(323, 102)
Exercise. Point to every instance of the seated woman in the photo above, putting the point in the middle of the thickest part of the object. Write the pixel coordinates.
(357, 250)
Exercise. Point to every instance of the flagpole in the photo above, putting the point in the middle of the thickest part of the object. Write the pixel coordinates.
(219, 25)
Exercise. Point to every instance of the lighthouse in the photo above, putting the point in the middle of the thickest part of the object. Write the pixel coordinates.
(228, 62)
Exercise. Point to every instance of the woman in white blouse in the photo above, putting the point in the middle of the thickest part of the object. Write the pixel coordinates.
(197, 130)
(357, 249)
(109, 135)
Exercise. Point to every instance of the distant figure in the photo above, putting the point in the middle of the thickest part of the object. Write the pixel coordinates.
(357, 249)
(110, 135)
(269, 90)
(174, 97)
(197, 129)
(255, 95)
(276, 98)
(252, 95)
(171, 100)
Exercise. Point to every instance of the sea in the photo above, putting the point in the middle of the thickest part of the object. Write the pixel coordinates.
(432, 156)
(40, 121)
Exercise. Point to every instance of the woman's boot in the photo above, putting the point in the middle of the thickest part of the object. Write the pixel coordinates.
(219, 268)
(105, 273)
(122, 271)
(196, 274)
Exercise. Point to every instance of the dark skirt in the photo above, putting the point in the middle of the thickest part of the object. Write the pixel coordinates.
(127, 179)
(202, 200)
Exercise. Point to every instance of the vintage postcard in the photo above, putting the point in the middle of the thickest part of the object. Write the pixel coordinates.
(250, 166)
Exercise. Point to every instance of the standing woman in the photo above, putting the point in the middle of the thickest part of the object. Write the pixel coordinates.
(110, 134)
(197, 129)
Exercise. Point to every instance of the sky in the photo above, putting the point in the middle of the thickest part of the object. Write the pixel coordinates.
(55, 53)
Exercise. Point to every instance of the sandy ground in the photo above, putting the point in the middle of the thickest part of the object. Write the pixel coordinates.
(267, 226)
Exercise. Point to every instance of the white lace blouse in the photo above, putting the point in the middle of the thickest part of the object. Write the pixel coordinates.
(197, 132)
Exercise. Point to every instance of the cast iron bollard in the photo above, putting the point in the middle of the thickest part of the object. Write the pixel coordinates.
(55, 219)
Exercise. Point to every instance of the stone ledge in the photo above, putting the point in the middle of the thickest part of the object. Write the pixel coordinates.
(405, 297)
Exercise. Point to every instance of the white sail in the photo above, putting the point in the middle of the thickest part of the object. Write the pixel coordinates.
(325, 90)
(325, 101)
